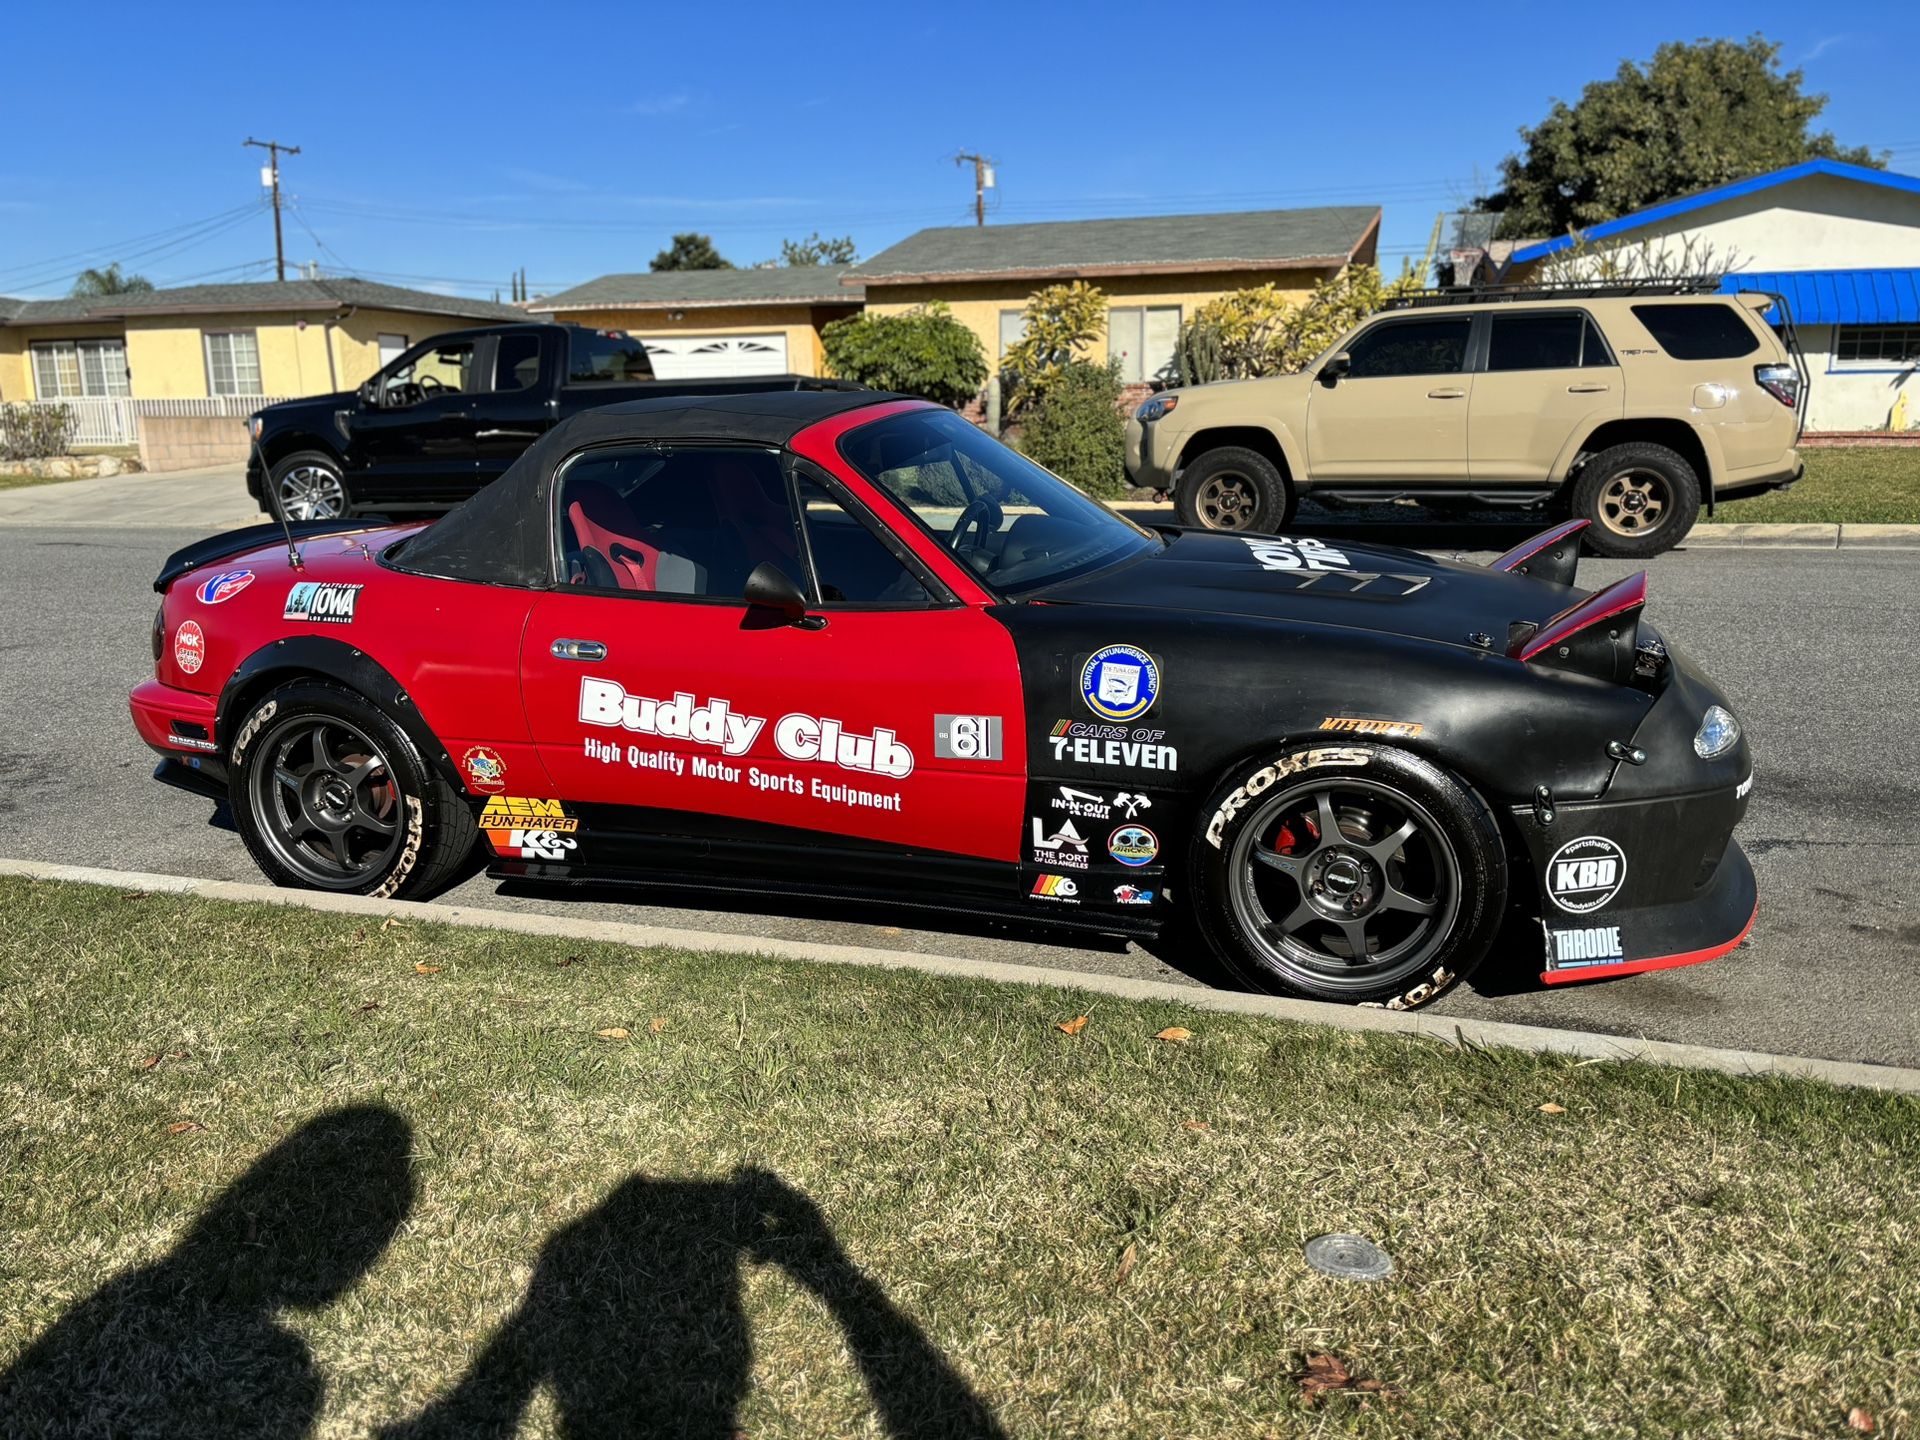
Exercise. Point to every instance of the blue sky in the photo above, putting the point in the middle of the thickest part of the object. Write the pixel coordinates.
(445, 145)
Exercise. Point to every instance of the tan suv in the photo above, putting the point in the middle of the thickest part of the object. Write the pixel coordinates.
(1629, 406)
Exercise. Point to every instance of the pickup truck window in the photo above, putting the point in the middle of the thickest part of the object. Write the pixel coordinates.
(516, 363)
(606, 357)
(439, 370)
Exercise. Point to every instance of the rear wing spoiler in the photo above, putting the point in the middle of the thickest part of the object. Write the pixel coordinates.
(252, 537)
(1552, 555)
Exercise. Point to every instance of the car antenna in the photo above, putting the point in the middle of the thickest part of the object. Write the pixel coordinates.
(280, 512)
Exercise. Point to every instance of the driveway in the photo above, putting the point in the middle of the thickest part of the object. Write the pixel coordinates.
(203, 500)
(1814, 644)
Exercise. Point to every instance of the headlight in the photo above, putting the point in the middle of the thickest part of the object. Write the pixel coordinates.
(1719, 732)
(1155, 408)
(254, 427)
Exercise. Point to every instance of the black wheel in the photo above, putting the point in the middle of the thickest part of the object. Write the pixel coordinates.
(308, 485)
(1355, 873)
(330, 794)
(1233, 488)
(1640, 499)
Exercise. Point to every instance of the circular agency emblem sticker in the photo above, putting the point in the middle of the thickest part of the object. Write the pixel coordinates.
(486, 772)
(1586, 873)
(189, 648)
(1133, 845)
(1120, 682)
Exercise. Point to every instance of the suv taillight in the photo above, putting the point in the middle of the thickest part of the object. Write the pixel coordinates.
(1780, 381)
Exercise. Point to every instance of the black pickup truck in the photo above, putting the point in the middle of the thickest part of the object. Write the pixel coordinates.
(449, 416)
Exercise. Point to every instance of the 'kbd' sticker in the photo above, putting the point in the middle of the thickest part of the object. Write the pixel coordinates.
(1120, 682)
(1586, 873)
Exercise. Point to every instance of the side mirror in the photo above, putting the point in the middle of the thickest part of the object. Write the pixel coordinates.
(368, 390)
(1338, 367)
(771, 588)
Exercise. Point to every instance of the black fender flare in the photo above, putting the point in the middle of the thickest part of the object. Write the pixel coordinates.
(335, 660)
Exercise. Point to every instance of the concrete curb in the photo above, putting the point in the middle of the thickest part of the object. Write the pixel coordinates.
(1337, 1017)
(1704, 536)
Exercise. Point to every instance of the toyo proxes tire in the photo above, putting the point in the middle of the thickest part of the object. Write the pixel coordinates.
(307, 485)
(1354, 873)
(1234, 488)
(1639, 499)
(329, 794)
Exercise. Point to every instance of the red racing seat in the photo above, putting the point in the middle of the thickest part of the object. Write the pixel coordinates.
(602, 522)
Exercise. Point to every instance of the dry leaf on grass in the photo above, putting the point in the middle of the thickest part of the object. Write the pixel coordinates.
(1552, 1109)
(148, 1063)
(420, 967)
(1174, 1035)
(392, 922)
(367, 1007)
(612, 1032)
(1195, 1125)
(562, 964)
(1129, 1258)
(657, 1024)
(184, 1127)
(1329, 1375)
(1861, 1419)
(1073, 1026)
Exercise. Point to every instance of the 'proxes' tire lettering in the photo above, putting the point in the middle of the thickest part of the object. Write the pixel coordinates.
(1264, 779)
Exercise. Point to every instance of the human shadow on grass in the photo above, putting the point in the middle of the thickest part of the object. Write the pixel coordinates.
(635, 1324)
(193, 1344)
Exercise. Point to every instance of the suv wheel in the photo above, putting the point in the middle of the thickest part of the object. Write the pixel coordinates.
(308, 485)
(1233, 488)
(1641, 499)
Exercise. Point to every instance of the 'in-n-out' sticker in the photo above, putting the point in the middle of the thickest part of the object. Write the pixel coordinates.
(1119, 682)
(1585, 874)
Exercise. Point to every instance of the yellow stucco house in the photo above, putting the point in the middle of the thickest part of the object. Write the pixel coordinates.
(1155, 271)
(274, 338)
(699, 323)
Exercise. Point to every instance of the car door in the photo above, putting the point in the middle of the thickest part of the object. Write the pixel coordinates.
(515, 409)
(1400, 411)
(1547, 378)
(891, 714)
(413, 432)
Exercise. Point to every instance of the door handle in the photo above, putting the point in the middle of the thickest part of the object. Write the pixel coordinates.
(1446, 394)
(506, 434)
(578, 650)
(1588, 389)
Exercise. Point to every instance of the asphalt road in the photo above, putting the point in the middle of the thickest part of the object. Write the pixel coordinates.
(1817, 648)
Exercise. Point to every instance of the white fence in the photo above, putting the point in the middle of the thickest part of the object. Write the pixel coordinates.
(115, 420)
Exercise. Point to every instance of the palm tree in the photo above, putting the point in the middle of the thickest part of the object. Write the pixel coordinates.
(109, 282)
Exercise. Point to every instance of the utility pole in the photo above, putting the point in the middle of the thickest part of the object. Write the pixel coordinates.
(982, 182)
(274, 150)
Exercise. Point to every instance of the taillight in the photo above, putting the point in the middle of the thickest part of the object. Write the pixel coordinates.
(1780, 381)
(159, 631)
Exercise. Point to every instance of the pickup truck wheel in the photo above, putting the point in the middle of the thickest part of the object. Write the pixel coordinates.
(1233, 488)
(307, 485)
(1640, 499)
(1355, 873)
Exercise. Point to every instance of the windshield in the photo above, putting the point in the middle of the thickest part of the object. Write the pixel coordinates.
(1016, 526)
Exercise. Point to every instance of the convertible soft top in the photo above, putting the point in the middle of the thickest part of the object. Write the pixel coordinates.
(500, 537)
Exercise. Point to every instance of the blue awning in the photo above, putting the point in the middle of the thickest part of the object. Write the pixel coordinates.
(1839, 297)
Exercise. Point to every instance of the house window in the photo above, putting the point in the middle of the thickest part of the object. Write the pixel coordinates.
(1878, 344)
(67, 369)
(392, 347)
(1143, 338)
(233, 363)
(1013, 329)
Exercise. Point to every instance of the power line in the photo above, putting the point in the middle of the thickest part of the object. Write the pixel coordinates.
(116, 247)
(149, 254)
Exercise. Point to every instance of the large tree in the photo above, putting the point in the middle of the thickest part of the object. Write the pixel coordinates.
(1697, 116)
(109, 281)
(813, 250)
(691, 251)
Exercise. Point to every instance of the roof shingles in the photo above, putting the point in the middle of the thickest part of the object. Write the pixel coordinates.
(266, 295)
(1240, 240)
(704, 289)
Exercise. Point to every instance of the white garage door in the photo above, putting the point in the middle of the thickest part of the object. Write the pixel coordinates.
(699, 357)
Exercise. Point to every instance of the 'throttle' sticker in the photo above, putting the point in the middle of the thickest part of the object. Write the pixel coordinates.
(189, 648)
(1119, 682)
(1586, 873)
(486, 772)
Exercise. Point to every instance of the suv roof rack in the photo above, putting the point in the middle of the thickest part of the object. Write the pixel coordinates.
(1491, 294)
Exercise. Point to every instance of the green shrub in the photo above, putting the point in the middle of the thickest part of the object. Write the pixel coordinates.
(33, 432)
(1077, 433)
(923, 351)
(1268, 331)
(1062, 322)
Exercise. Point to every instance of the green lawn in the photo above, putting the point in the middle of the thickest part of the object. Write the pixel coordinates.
(1864, 484)
(13, 480)
(519, 1180)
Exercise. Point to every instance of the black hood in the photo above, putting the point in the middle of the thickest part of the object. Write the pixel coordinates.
(1304, 581)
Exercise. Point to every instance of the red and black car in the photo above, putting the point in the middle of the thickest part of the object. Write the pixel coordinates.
(845, 644)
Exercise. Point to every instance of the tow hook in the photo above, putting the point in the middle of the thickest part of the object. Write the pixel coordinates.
(1543, 805)
(1632, 754)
